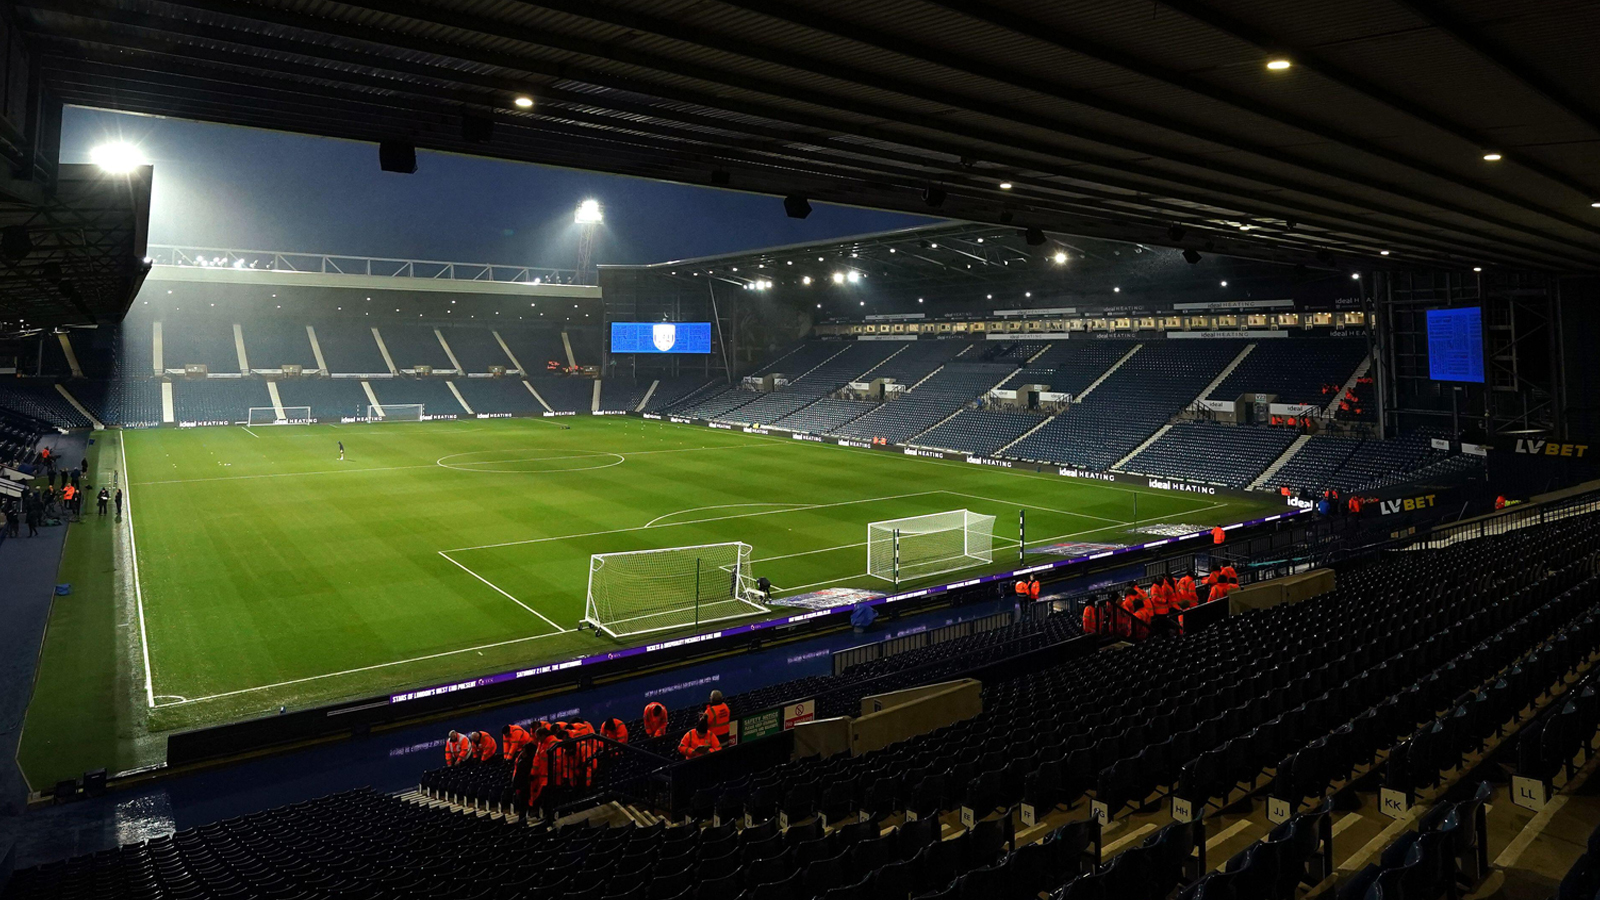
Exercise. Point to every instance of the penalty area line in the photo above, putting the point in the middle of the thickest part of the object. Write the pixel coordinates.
(384, 665)
(496, 588)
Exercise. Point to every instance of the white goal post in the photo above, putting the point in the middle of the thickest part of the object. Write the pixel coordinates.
(395, 412)
(920, 546)
(658, 590)
(268, 415)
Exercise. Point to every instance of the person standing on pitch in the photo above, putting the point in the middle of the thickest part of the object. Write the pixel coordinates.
(341, 451)
(102, 499)
(118, 499)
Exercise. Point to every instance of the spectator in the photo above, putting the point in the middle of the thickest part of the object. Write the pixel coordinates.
(655, 719)
(698, 741)
(457, 749)
(717, 717)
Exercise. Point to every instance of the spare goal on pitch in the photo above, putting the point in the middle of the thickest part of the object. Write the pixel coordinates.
(657, 590)
(395, 412)
(919, 546)
(269, 415)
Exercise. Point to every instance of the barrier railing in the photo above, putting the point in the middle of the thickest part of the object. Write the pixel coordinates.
(844, 660)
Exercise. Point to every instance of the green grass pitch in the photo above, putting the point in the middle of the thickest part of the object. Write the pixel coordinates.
(270, 573)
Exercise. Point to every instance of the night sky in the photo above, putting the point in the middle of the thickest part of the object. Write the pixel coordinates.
(220, 186)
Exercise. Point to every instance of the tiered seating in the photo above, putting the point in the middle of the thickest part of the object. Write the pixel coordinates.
(119, 402)
(822, 380)
(38, 399)
(1071, 366)
(1150, 388)
(681, 387)
(534, 347)
(349, 347)
(1352, 465)
(133, 356)
(564, 394)
(433, 393)
(329, 398)
(825, 415)
(914, 412)
(217, 399)
(980, 431)
(476, 349)
(271, 345)
(414, 345)
(52, 359)
(19, 435)
(919, 358)
(199, 339)
(1295, 369)
(623, 392)
(807, 356)
(1228, 455)
(494, 395)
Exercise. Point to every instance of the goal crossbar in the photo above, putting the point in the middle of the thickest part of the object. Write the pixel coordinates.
(644, 591)
(921, 546)
(269, 415)
(395, 412)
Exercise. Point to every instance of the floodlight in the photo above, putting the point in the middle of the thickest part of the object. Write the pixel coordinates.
(118, 158)
(806, 279)
(838, 278)
(523, 102)
(853, 277)
(1279, 64)
(588, 213)
(1060, 257)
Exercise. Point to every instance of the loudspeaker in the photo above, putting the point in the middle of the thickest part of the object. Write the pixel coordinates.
(796, 206)
(476, 129)
(1176, 232)
(933, 196)
(397, 156)
(1191, 256)
(1034, 236)
(15, 242)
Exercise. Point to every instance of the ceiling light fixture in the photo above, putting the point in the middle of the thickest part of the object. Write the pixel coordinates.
(1279, 64)
(523, 102)
(1492, 156)
(1005, 185)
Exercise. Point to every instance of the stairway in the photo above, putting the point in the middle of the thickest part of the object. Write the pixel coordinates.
(1042, 423)
(1117, 466)
(1361, 370)
(1107, 373)
(1223, 376)
(1280, 462)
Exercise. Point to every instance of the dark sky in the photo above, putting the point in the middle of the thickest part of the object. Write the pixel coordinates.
(225, 187)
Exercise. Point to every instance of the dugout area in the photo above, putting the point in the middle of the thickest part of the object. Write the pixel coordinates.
(270, 575)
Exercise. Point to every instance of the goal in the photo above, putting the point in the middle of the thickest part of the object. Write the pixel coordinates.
(919, 546)
(657, 590)
(268, 415)
(395, 412)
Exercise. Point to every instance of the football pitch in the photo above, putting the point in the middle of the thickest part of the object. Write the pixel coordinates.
(254, 569)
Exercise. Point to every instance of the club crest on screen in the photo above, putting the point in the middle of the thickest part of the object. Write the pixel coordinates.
(664, 335)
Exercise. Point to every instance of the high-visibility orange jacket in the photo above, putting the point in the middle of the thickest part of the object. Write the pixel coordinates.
(1186, 585)
(529, 774)
(1091, 619)
(486, 748)
(1022, 587)
(717, 716)
(1230, 574)
(584, 754)
(695, 744)
(1033, 589)
(655, 719)
(515, 739)
(615, 729)
(68, 492)
(1160, 599)
(1218, 535)
(457, 751)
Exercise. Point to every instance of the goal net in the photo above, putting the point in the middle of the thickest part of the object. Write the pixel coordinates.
(657, 590)
(395, 412)
(920, 546)
(268, 415)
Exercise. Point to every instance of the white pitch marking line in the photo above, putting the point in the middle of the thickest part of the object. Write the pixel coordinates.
(773, 512)
(249, 432)
(1031, 506)
(133, 554)
(719, 506)
(290, 474)
(383, 665)
(506, 595)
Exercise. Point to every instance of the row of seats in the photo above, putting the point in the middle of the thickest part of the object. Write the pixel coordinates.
(929, 402)
(38, 399)
(1227, 455)
(1352, 465)
(1295, 370)
(1582, 881)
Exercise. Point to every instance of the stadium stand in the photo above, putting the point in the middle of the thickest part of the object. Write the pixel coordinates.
(433, 393)
(199, 340)
(537, 347)
(272, 346)
(811, 386)
(929, 402)
(38, 399)
(825, 415)
(349, 348)
(509, 394)
(329, 398)
(1352, 464)
(1155, 384)
(414, 345)
(1070, 366)
(476, 349)
(132, 402)
(918, 359)
(681, 388)
(217, 399)
(623, 393)
(980, 431)
(564, 394)
(1295, 370)
(1227, 455)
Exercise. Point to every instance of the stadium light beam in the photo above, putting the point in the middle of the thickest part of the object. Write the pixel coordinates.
(118, 157)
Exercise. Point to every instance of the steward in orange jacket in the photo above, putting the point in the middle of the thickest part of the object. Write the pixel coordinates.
(585, 753)
(1091, 618)
(717, 717)
(457, 749)
(530, 770)
(483, 746)
(614, 729)
(1187, 596)
(698, 741)
(1033, 588)
(1218, 535)
(1161, 596)
(655, 719)
(512, 739)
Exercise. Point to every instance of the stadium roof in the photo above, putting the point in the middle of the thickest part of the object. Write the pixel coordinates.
(1107, 118)
(82, 249)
